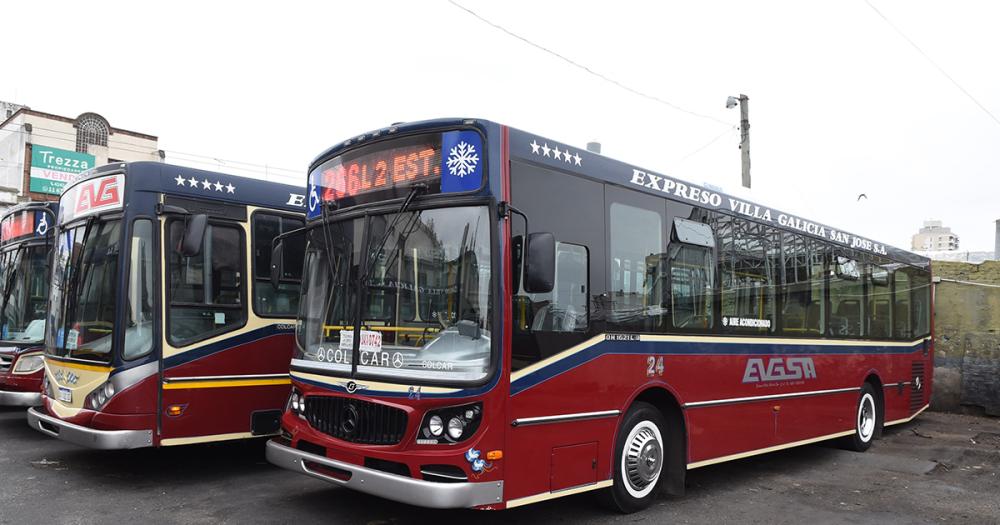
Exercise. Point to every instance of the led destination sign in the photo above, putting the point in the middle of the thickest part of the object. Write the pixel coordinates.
(446, 162)
(382, 169)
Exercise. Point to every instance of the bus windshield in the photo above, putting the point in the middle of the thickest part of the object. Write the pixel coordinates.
(25, 294)
(426, 296)
(82, 312)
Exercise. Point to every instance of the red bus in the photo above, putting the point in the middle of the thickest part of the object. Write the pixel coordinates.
(491, 318)
(162, 326)
(25, 244)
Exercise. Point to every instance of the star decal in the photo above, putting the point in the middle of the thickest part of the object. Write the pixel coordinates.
(230, 188)
(566, 155)
(193, 182)
(218, 185)
(180, 180)
(205, 184)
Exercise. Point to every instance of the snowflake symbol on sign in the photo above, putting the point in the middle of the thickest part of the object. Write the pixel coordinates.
(462, 159)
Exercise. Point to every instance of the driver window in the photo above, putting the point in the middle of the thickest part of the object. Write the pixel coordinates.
(207, 290)
(564, 309)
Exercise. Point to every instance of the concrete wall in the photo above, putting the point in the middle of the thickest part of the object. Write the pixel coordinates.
(967, 337)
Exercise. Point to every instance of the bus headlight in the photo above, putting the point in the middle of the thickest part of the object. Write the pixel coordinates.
(297, 403)
(99, 396)
(455, 428)
(435, 425)
(29, 364)
(450, 424)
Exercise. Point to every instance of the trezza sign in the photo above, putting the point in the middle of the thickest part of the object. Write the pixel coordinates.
(92, 196)
(54, 168)
(710, 199)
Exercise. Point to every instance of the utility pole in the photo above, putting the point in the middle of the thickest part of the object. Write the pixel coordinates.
(745, 138)
(744, 103)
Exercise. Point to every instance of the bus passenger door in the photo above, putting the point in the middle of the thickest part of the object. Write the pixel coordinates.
(224, 368)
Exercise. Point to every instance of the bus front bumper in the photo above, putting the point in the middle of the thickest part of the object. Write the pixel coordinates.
(10, 398)
(88, 437)
(403, 489)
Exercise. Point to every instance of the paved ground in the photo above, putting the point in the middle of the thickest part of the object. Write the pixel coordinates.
(940, 468)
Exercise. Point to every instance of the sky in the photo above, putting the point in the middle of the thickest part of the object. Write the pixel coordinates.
(840, 104)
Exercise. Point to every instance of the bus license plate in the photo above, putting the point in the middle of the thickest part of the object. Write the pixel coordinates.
(65, 395)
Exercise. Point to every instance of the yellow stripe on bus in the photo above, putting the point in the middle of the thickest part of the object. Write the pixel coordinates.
(78, 366)
(225, 383)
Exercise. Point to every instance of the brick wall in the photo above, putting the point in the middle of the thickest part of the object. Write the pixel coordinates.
(967, 337)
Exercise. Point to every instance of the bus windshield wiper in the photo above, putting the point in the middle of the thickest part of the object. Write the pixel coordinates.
(373, 256)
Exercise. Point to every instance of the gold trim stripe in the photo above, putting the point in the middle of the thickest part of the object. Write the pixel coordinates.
(225, 383)
(558, 493)
(741, 455)
(906, 419)
(78, 366)
(205, 439)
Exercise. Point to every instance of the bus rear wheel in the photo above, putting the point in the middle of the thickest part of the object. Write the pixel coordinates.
(639, 458)
(868, 418)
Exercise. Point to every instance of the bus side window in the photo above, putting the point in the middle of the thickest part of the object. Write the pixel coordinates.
(207, 291)
(636, 239)
(692, 275)
(921, 303)
(283, 301)
(748, 270)
(902, 305)
(803, 302)
(847, 297)
(879, 303)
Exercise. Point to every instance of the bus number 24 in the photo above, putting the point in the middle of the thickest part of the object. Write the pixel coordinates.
(654, 366)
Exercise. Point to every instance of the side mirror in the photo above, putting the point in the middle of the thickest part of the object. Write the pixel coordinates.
(540, 263)
(194, 235)
(277, 264)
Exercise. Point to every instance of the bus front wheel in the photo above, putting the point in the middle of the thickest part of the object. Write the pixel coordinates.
(639, 458)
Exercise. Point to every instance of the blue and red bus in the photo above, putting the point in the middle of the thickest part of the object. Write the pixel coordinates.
(163, 327)
(490, 318)
(25, 245)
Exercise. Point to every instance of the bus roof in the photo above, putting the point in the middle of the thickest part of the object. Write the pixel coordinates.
(201, 184)
(552, 154)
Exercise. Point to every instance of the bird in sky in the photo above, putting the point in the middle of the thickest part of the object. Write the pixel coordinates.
(862, 195)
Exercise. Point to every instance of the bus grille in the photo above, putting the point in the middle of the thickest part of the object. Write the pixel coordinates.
(918, 386)
(355, 420)
(5, 361)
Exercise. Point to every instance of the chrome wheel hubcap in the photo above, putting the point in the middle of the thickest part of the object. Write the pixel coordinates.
(866, 417)
(643, 457)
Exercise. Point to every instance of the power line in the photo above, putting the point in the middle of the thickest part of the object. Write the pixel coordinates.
(214, 161)
(702, 148)
(933, 63)
(601, 76)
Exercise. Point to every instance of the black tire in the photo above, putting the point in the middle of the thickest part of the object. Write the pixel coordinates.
(640, 437)
(867, 420)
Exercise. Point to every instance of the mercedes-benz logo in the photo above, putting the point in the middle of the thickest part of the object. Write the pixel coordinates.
(352, 387)
(349, 420)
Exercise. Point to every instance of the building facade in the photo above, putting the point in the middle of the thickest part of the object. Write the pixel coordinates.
(934, 237)
(41, 152)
